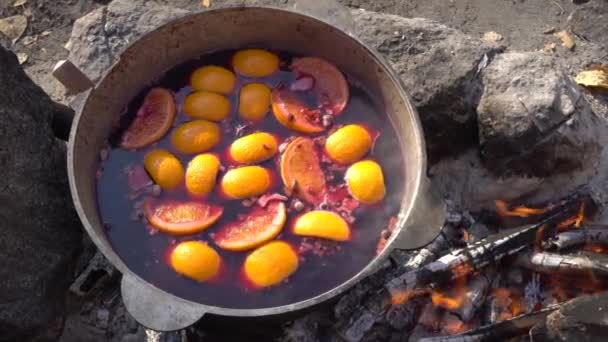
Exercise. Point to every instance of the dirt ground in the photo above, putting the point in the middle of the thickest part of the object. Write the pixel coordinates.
(520, 22)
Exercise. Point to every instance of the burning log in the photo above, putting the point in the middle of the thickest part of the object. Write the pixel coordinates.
(466, 260)
(551, 263)
(578, 237)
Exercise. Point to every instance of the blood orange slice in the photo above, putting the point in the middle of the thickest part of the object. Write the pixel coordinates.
(153, 119)
(330, 86)
(301, 171)
(257, 227)
(181, 218)
(294, 114)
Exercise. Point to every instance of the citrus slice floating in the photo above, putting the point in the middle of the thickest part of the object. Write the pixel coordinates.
(253, 148)
(348, 144)
(195, 260)
(270, 264)
(153, 119)
(292, 113)
(247, 181)
(196, 136)
(257, 227)
(322, 224)
(207, 105)
(330, 85)
(366, 181)
(181, 218)
(254, 101)
(201, 174)
(164, 168)
(255, 62)
(301, 170)
(213, 78)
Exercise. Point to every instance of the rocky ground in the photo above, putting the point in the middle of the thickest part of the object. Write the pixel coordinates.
(504, 102)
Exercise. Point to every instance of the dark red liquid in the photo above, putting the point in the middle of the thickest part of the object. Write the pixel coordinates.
(146, 253)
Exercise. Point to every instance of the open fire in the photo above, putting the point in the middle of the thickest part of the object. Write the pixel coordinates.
(542, 256)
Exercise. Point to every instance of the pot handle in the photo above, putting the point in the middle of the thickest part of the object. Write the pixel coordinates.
(425, 222)
(156, 309)
(330, 11)
(75, 82)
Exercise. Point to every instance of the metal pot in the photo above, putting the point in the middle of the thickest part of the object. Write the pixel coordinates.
(421, 213)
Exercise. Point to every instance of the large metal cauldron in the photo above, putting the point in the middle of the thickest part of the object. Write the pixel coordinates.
(421, 214)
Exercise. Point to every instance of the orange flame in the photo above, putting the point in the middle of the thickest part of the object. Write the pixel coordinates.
(538, 243)
(575, 221)
(595, 248)
(439, 299)
(403, 296)
(511, 302)
(521, 211)
(453, 325)
(465, 235)
(462, 270)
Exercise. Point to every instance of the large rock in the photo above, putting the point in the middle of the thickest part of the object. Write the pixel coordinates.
(439, 67)
(99, 37)
(39, 230)
(533, 118)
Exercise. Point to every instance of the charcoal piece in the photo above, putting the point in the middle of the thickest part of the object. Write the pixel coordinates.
(477, 291)
(41, 235)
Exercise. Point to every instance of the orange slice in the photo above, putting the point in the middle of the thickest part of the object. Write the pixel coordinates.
(366, 181)
(330, 85)
(301, 171)
(270, 264)
(254, 148)
(195, 260)
(181, 218)
(294, 114)
(153, 120)
(257, 227)
(255, 62)
(322, 224)
(348, 144)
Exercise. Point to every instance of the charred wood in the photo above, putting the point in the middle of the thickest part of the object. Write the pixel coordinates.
(466, 260)
(577, 237)
(502, 330)
(475, 297)
(552, 263)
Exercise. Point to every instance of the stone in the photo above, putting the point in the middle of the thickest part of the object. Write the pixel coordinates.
(99, 37)
(533, 119)
(439, 67)
(39, 227)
